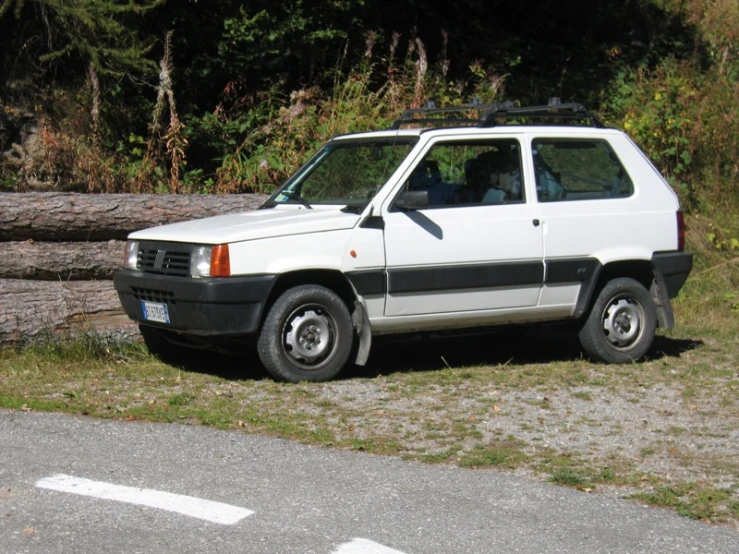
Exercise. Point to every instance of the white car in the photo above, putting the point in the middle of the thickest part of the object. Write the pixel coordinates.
(438, 223)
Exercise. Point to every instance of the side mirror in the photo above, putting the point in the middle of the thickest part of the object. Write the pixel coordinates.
(413, 200)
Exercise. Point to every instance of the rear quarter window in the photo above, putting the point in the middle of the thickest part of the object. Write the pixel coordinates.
(578, 169)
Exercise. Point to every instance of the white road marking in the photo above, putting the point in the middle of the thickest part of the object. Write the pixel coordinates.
(364, 546)
(208, 510)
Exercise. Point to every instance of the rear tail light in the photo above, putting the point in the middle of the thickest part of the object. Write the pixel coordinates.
(680, 231)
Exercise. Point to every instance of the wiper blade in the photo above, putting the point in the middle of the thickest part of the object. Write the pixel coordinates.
(296, 196)
(354, 208)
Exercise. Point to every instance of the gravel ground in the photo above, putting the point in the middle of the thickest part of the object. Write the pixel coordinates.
(663, 422)
(654, 429)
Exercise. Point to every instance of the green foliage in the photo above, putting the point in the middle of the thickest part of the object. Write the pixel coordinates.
(8, 180)
(683, 110)
(720, 240)
(91, 31)
(260, 85)
(655, 108)
(7, 4)
(686, 120)
(270, 37)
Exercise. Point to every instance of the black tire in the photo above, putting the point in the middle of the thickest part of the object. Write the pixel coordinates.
(307, 335)
(620, 327)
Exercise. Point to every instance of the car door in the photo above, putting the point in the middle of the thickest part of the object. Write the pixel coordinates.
(478, 243)
(589, 211)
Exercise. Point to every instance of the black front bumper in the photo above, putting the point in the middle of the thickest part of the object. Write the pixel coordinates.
(207, 306)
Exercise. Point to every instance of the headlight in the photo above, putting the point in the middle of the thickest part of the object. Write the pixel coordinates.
(200, 261)
(131, 255)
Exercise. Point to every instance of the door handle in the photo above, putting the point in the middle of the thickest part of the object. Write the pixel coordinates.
(536, 223)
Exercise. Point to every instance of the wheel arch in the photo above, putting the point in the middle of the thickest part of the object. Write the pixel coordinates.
(329, 278)
(639, 270)
(337, 282)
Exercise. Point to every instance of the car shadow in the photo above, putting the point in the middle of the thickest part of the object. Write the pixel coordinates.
(226, 366)
(509, 346)
(668, 347)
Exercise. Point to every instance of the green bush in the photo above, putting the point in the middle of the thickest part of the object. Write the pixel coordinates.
(687, 121)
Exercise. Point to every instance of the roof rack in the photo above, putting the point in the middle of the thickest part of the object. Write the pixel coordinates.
(490, 114)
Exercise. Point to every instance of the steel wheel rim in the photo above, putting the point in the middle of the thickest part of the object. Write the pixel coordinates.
(309, 336)
(623, 322)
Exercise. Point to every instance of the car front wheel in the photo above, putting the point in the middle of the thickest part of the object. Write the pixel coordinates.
(621, 325)
(307, 335)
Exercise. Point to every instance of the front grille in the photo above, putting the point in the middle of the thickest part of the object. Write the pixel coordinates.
(165, 258)
(153, 295)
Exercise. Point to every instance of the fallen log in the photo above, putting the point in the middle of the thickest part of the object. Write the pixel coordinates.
(42, 310)
(60, 261)
(61, 216)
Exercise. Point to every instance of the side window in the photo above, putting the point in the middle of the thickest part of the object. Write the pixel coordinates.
(470, 173)
(578, 169)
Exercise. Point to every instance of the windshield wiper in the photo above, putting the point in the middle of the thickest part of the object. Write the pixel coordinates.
(296, 195)
(354, 208)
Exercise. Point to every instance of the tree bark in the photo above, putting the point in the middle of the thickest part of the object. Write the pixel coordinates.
(41, 310)
(60, 216)
(60, 261)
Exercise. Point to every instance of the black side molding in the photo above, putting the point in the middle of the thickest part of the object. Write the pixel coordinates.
(582, 270)
(571, 271)
(368, 282)
(440, 278)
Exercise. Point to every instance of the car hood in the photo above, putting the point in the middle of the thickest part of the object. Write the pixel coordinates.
(259, 224)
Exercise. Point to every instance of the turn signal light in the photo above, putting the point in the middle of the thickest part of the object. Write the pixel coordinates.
(220, 263)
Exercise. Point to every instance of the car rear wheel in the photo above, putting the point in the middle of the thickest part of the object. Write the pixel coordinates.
(621, 325)
(307, 335)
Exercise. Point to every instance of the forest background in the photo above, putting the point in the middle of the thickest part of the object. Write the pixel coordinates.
(196, 96)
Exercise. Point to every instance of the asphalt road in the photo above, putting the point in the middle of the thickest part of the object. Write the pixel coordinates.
(291, 499)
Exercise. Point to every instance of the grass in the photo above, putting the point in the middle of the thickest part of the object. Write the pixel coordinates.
(507, 453)
(694, 501)
(661, 432)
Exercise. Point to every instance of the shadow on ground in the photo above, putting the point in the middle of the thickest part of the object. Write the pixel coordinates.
(505, 346)
(508, 346)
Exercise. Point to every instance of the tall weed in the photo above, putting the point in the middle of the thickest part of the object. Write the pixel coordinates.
(368, 96)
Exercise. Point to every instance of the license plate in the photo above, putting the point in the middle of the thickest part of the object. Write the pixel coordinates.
(155, 311)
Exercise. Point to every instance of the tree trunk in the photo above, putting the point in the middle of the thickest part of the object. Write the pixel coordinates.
(92, 217)
(60, 261)
(38, 310)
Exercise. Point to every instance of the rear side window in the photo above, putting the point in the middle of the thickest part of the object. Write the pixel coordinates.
(579, 169)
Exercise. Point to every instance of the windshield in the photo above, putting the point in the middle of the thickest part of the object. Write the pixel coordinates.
(347, 172)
